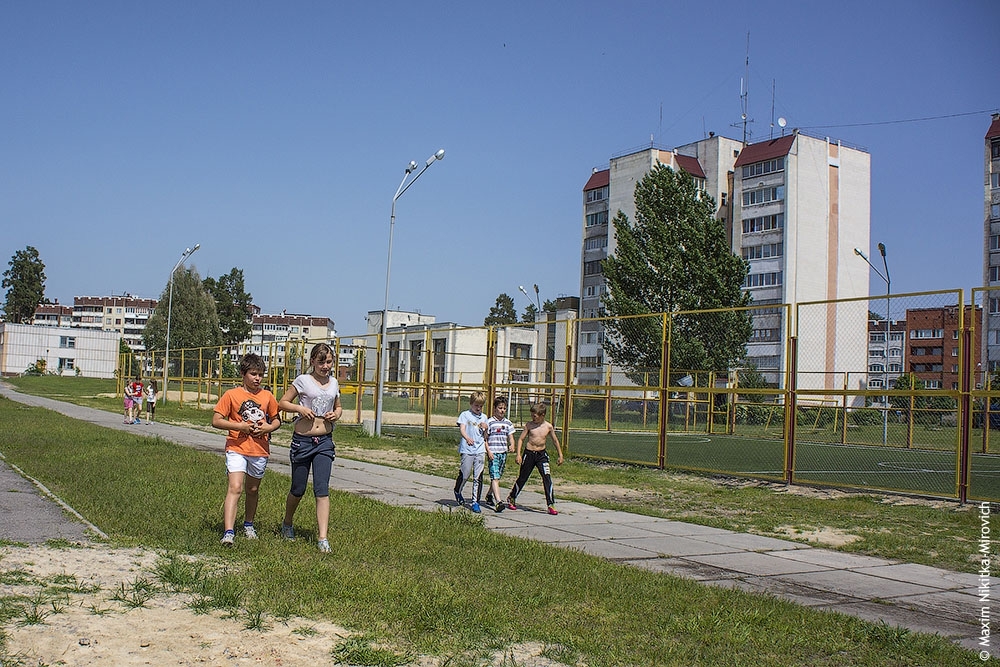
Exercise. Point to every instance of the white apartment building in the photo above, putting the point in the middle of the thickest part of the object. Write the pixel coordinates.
(126, 315)
(801, 205)
(991, 246)
(65, 350)
(270, 334)
(795, 208)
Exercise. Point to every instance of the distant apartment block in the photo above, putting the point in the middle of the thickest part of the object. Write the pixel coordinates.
(126, 315)
(270, 335)
(53, 315)
(991, 247)
(932, 345)
(794, 208)
(886, 343)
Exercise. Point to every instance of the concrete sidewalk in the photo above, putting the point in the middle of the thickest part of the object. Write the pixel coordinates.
(917, 597)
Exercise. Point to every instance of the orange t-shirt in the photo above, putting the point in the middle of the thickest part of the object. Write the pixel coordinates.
(239, 405)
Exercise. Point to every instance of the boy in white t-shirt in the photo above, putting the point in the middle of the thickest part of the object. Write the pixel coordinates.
(472, 449)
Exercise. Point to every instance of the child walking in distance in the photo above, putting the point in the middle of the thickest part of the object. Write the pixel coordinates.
(471, 449)
(150, 401)
(312, 445)
(499, 441)
(128, 403)
(137, 391)
(537, 431)
(250, 414)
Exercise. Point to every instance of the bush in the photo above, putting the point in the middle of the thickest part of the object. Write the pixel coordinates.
(756, 414)
(865, 417)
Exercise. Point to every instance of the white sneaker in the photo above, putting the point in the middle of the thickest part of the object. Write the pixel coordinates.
(287, 532)
(324, 546)
(250, 532)
(227, 538)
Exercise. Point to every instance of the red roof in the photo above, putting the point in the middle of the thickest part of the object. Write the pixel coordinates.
(765, 150)
(598, 179)
(994, 130)
(690, 165)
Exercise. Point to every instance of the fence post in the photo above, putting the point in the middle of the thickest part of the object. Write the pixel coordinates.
(568, 385)
(847, 383)
(661, 445)
(965, 415)
(791, 407)
(428, 366)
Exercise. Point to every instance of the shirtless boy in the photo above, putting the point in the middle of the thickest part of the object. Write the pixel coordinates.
(537, 432)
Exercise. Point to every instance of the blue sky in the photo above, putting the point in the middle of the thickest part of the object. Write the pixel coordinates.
(275, 135)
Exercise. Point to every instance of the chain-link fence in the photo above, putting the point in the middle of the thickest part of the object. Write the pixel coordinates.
(888, 393)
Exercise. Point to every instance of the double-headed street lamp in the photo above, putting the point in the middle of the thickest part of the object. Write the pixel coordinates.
(170, 305)
(538, 304)
(383, 369)
(888, 330)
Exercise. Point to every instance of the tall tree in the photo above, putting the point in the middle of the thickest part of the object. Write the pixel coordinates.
(502, 312)
(25, 285)
(232, 304)
(193, 320)
(674, 258)
(529, 313)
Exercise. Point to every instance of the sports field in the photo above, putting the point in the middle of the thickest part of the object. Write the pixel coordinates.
(871, 467)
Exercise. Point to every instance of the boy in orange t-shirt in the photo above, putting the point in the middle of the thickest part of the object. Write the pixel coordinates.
(250, 414)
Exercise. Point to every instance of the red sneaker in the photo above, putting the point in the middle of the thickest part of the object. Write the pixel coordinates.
(552, 510)
(511, 506)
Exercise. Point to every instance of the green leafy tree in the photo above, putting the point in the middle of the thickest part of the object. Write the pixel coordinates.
(502, 312)
(25, 285)
(232, 304)
(529, 313)
(674, 257)
(193, 320)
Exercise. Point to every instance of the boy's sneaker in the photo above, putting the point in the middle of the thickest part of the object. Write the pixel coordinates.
(552, 510)
(324, 546)
(228, 537)
(500, 507)
(475, 508)
(136, 421)
(490, 499)
(459, 498)
(511, 505)
(249, 531)
(287, 532)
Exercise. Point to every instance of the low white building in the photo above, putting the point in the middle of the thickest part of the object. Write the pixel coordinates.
(65, 350)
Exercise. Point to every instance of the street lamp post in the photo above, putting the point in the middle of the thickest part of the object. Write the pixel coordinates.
(170, 305)
(404, 185)
(888, 331)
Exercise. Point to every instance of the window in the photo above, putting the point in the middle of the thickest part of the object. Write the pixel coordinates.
(764, 223)
(995, 149)
(596, 243)
(590, 362)
(954, 351)
(520, 351)
(763, 279)
(927, 333)
(994, 274)
(954, 368)
(764, 335)
(995, 180)
(876, 338)
(65, 364)
(67, 342)
(597, 194)
(765, 167)
(994, 211)
(876, 368)
(763, 195)
(769, 362)
(932, 384)
(875, 384)
(599, 218)
(895, 368)
(762, 251)
(876, 353)
(440, 346)
(995, 242)
(592, 268)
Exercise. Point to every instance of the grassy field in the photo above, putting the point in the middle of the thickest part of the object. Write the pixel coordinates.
(418, 583)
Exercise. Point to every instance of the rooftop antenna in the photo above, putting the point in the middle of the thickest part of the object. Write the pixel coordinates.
(745, 95)
(772, 110)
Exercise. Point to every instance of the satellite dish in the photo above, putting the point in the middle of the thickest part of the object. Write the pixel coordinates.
(782, 122)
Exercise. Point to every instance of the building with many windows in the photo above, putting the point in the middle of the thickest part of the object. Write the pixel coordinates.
(886, 343)
(991, 247)
(794, 208)
(126, 315)
(932, 344)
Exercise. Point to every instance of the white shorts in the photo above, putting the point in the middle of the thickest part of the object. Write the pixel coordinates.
(251, 465)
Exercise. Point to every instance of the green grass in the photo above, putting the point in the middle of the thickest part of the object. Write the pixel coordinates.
(885, 526)
(412, 582)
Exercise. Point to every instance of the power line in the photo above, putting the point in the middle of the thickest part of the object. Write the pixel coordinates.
(902, 120)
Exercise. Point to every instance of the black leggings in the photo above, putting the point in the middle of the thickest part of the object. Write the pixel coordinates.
(530, 461)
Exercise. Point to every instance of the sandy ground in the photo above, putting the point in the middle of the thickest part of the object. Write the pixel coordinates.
(92, 628)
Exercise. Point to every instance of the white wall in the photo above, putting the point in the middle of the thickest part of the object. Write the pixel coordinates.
(93, 352)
